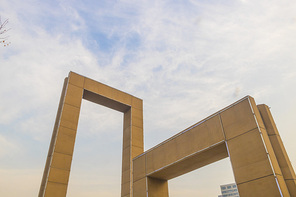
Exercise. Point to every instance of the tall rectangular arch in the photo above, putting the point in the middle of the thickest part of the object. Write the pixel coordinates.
(58, 164)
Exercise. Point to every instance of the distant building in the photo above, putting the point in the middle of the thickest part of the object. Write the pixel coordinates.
(229, 190)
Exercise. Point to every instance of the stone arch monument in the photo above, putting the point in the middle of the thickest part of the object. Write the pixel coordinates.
(243, 131)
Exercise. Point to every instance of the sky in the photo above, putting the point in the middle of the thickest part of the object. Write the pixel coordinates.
(186, 59)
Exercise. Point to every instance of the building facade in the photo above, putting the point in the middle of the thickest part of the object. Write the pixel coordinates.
(229, 190)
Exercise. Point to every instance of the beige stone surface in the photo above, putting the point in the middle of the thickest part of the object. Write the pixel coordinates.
(137, 103)
(265, 186)
(268, 120)
(127, 137)
(61, 161)
(58, 175)
(139, 168)
(125, 189)
(270, 150)
(137, 137)
(56, 190)
(65, 144)
(279, 150)
(70, 116)
(248, 157)
(157, 187)
(76, 79)
(136, 151)
(195, 139)
(139, 188)
(107, 91)
(192, 162)
(126, 160)
(256, 112)
(291, 184)
(74, 95)
(125, 176)
(238, 119)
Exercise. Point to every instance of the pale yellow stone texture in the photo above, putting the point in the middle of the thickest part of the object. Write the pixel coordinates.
(139, 168)
(279, 149)
(157, 187)
(139, 188)
(56, 190)
(265, 186)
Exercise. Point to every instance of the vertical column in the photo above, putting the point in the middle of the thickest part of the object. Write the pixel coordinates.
(139, 176)
(157, 187)
(133, 144)
(279, 149)
(62, 146)
(254, 165)
(53, 139)
(126, 155)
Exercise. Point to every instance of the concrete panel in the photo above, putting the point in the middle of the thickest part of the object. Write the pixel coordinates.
(58, 175)
(123, 97)
(207, 133)
(171, 153)
(136, 151)
(107, 91)
(98, 88)
(279, 149)
(125, 189)
(149, 162)
(137, 122)
(55, 190)
(74, 95)
(137, 113)
(70, 115)
(256, 112)
(127, 119)
(192, 162)
(282, 185)
(282, 157)
(291, 185)
(155, 159)
(268, 120)
(196, 138)
(126, 159)
(67, 131)
(65, 144)
(137, 137)
(137, 103)
(127, 137)
(76, 79)
(105, 101)
(139, 168)
(269, 148)
(139, 188)
(238, 119)
(61, 161)
(265, 186)
(248, 157)
(157, 188)
(125, 176)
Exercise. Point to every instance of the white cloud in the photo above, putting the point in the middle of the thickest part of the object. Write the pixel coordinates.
(7, 147)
